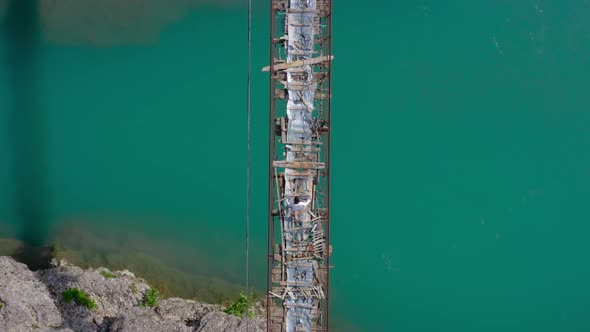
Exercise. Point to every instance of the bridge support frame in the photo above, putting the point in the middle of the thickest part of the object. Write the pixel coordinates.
(299, 166)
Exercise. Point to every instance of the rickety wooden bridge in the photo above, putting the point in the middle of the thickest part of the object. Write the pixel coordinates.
(299, 169)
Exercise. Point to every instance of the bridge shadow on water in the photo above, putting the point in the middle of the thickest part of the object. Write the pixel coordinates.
(22, 33)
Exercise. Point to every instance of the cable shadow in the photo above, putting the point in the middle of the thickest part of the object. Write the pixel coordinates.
(22, 34)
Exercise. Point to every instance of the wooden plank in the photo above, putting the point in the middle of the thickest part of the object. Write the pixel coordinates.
(304, 149)
(301, 25)
(301, 10)
(299, 264)
(307, 258)
(283, 129)
(298, 305)
(300, 63)
(296, 283)
(298, 164)
(303, 142)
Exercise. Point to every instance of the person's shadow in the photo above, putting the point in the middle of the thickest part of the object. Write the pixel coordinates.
(22, 33)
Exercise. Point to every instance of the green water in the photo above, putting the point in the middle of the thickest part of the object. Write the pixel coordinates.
(461, 173)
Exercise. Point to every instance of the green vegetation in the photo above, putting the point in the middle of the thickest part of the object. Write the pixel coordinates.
(1, 305)
(151, 298)
(133, 288)
(239, 307)
(35, 326)
(80, 297)
(107, 274)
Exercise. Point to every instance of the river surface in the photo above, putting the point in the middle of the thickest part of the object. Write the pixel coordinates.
(461, 164)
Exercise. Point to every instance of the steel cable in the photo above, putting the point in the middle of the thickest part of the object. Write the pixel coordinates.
(248, 180)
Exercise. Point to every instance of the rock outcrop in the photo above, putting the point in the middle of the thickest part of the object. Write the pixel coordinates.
(24, 300)
(33, 301)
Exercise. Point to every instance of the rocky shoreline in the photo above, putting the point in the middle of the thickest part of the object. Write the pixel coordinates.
(33, 301)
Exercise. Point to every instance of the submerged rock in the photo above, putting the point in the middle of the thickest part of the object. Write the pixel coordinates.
(111, 22)
(10, 247)
(33, 301)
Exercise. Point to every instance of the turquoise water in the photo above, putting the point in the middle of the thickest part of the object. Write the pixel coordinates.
(461, 178)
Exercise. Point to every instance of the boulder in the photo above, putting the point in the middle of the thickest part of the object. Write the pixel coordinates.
(25, 303)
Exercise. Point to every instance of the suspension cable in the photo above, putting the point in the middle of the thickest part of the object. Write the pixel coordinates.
(248, 191)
